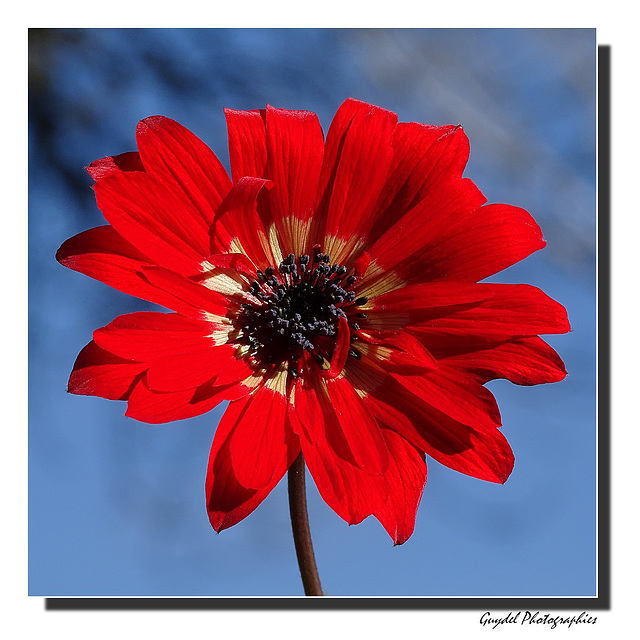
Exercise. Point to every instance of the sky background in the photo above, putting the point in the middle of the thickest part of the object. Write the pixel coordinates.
(116, 507)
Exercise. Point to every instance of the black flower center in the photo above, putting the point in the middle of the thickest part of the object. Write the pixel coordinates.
(298, 308)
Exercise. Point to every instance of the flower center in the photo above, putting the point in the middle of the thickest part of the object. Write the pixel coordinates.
(298, 307)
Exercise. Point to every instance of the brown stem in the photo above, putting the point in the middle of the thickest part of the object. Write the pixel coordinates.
(301, 531)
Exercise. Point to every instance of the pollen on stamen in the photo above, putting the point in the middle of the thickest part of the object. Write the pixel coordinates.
(297, 309)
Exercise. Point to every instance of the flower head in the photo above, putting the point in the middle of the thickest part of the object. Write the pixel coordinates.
(329, 291)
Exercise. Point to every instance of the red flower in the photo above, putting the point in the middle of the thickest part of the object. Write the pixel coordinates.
(329, 292)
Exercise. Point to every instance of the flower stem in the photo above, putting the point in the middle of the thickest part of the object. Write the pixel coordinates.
(301, 531)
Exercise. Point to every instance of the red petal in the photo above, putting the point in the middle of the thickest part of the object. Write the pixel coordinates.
(341, 350)
(181, 353)
(148, 335)
(179, 158)
(154, 407)
(425, 157)
(357, 159)
(197, 297)
(523, 361)
(183, 371)
(489, 456)
(237, 223)
(455, 394)
(103, 254)
(99, 373)
(237, 262)
(258, 442)
(482, 454)
(464, 244)
(331, 410)
(397, 352)
(392, 497)
(406, 238)
(337, 480)
(155, 218)
(361, 265)
(511, 310)
(477, 450)
(228, 501)
(187, 370)
(104, 167)
(494, 238)
(239, 371)
(247, 142)
(417, 303)
(294, 151)
(405, 480)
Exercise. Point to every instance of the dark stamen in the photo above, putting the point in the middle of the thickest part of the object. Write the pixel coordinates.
(297, 308)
